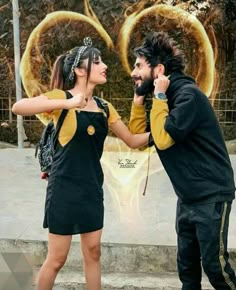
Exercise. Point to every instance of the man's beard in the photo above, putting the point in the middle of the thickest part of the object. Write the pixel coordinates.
(145, 88)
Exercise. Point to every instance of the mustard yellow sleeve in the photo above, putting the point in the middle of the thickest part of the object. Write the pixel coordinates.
(69, 125)
(54, 94)
(113, 114)
(158, 115)
(137, 122)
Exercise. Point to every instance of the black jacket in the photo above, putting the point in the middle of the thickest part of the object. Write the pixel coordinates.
(198, 163)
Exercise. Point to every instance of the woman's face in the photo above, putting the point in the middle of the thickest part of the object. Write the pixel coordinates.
(98, 74)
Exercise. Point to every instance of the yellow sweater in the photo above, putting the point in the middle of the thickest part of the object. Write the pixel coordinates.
(159, 112)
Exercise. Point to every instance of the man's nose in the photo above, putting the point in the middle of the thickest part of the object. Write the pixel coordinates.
(133, 73)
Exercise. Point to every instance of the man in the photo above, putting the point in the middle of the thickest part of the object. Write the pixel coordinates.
(190, 144)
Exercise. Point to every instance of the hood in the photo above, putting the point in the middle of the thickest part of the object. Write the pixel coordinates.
(177, 80)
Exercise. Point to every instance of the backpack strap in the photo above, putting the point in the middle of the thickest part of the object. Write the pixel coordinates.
(102, 105)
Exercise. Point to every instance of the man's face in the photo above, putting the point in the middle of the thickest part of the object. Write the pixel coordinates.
(142, 76)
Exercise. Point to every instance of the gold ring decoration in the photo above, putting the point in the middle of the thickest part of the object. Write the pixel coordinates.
(91, 130)
(29, 69)
(206, 71)
(30, 82)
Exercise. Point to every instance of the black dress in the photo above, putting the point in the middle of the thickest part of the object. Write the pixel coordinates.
(74, 201)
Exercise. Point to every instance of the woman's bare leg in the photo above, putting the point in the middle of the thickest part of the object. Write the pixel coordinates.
(91, 249)
(58, 248)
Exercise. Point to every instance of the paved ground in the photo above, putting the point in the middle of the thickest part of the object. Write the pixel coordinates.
(130, 217)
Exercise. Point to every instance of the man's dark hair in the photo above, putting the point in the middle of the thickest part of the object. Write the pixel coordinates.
(159, 48)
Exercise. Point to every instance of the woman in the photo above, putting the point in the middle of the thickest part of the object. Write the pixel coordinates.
(74, 202)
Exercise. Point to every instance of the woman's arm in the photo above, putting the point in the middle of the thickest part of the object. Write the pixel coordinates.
(132, 140)
(41, 104)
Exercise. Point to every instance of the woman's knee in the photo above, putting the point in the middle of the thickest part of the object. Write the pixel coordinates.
(56, 263)
(92, 253)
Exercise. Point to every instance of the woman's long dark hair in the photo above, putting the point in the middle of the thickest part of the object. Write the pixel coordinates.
(63, 64)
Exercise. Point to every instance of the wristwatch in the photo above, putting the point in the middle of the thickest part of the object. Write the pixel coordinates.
(160, 96)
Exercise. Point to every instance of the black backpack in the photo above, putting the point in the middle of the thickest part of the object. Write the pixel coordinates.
(45, 149)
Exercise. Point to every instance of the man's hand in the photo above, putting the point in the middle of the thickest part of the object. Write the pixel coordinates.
(161, 84)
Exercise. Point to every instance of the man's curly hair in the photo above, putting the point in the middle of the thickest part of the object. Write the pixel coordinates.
(159, 48)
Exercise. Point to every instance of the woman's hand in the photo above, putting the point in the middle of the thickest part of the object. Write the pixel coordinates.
(78, 101)
(132, 140)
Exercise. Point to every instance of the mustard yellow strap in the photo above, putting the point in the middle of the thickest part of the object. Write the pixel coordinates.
(158, 115)
(137, 122)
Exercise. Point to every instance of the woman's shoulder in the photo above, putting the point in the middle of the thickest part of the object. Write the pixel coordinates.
(55, 94)
(113, 114)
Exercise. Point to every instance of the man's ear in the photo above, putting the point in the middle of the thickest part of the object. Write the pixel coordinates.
(158, 70)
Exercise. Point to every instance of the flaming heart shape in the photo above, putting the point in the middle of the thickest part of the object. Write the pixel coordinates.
(125, 184)
(206, 66)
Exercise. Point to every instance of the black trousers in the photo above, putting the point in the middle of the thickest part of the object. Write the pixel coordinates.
(202, 232)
